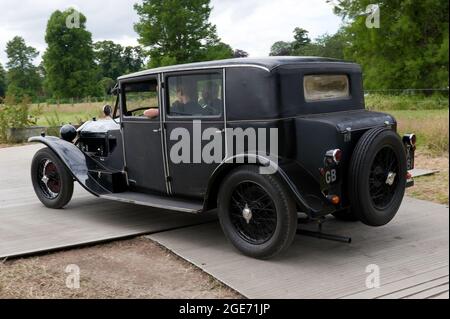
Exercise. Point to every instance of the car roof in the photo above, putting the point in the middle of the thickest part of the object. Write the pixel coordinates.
(267, 63)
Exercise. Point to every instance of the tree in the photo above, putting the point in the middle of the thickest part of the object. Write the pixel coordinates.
(281, 48)
(177, 31)
(240, 54)
(22, 77)
(408, 50)
(69, 58)
(301, 38)
(218, 51)
(2, 81)
(108, 56)
(132, 59)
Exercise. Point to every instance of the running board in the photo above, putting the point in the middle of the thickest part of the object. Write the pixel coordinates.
(157, 201)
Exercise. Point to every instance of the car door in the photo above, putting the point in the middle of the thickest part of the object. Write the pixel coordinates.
(142, 136)
(194, 128)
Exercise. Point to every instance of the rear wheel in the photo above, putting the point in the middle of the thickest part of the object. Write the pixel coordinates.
(377, 176)
(52, 182)
(256, 213)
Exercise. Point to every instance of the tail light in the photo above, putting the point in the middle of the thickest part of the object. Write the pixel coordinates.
(334, 155)
(410, 139)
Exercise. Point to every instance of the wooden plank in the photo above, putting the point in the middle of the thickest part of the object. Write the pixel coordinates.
(27, 227)
(410, 251)
(430, 293)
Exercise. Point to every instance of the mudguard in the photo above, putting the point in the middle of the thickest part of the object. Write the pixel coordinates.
(79, 164)
(266, 163)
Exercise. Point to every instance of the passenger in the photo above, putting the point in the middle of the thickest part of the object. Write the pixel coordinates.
(186, 103)
(210, 98)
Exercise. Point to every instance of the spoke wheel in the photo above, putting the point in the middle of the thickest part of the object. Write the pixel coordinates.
(52, 181)
(256, 212)
(49, 179)
(253, 213)
(383, 179)
(377, 176)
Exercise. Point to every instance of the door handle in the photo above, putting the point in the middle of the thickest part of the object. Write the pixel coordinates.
(157, 130)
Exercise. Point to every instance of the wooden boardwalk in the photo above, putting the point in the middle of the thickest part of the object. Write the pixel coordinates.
(27, 227)
(411, 253)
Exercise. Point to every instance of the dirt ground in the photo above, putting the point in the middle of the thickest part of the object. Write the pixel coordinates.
(137, 268)
(435, 187)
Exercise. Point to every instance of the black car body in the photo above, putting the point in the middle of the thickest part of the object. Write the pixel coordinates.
(128, 156)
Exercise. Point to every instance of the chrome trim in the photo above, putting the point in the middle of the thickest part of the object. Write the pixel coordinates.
(193, 68)
(122, 134)
(162, 97)
(224, 85)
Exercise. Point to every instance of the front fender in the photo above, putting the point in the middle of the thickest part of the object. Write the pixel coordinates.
(76, 162)
(265, 162)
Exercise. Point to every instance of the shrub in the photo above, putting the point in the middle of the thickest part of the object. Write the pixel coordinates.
(14, 114)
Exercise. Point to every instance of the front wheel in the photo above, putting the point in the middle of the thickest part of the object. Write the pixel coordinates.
(52, 182)
(256, 212)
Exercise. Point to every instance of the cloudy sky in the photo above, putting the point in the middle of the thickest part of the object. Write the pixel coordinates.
(250, 25)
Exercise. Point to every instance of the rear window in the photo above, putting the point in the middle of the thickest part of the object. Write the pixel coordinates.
(326, 87)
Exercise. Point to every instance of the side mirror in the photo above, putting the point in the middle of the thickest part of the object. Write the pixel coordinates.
(107, 110)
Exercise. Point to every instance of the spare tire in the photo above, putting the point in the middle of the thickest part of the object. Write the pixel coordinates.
(377, 176)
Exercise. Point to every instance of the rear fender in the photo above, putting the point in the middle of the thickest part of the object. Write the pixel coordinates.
(226, 166)
(77, 163)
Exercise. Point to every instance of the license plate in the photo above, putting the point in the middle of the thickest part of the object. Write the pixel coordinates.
(330, 175)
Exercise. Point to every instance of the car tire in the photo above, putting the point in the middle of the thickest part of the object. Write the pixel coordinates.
(377, 176)
(345, 215)
(258, 228)
(52, 182)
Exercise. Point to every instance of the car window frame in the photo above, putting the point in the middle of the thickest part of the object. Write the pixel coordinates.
(167, 75)
(330, 100)
(123, 108)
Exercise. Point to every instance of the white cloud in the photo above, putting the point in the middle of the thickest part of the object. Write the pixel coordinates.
(250, 25)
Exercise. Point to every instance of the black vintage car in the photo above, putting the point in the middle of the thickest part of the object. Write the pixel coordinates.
(262, 140)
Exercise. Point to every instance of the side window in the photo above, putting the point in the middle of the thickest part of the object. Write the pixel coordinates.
(141, 99)
(195, 95)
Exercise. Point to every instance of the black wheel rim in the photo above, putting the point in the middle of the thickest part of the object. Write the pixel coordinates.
(253, 213)
(384, 178)
(49, 179)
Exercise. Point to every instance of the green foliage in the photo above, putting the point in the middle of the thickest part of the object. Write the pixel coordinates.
(2, 81)
(113, 60)
(331, 46)
(382, 102)
(281, 48)
(178, 31)
(409, 50)
(53, 123)
(14, 114)
(69, 58)
(301, 38)
(218, 51)
(22, 77)
(106, 84)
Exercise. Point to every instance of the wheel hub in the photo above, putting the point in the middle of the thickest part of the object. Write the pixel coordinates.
(391, 178)
(51, 184)
(247, 213)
